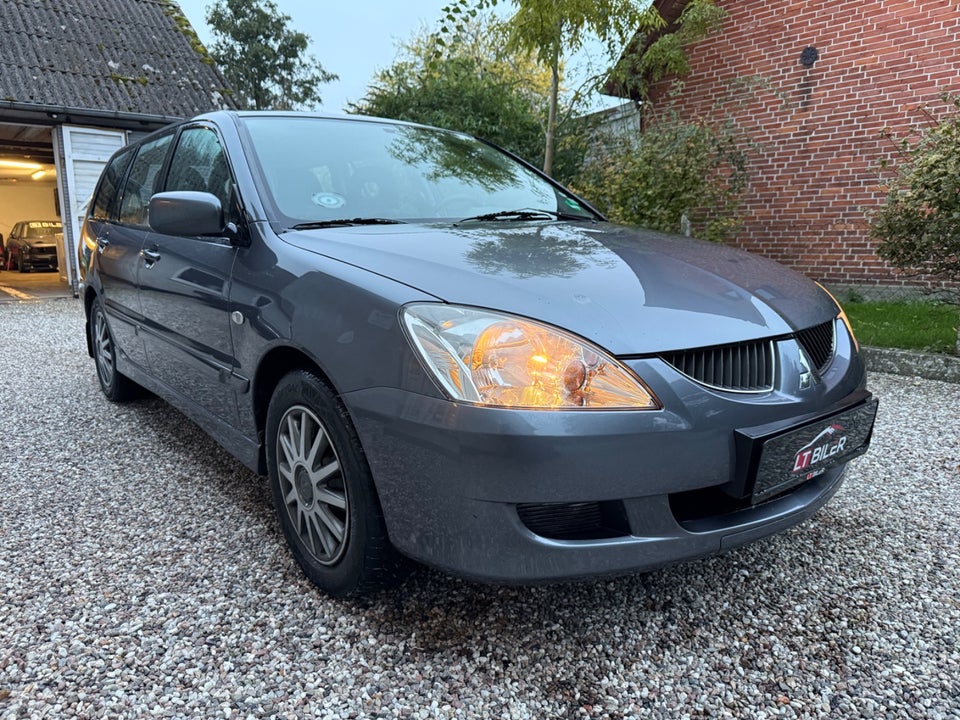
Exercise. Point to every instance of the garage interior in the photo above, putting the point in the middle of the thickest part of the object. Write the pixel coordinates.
(29, 190)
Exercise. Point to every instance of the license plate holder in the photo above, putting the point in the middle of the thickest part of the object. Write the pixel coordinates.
(783, 459)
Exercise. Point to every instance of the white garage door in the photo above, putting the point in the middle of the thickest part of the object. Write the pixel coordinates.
(81, 153)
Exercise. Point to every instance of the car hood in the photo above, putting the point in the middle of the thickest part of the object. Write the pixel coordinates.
(631, 291)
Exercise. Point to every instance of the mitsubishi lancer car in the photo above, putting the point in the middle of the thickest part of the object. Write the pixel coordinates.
(435, 352)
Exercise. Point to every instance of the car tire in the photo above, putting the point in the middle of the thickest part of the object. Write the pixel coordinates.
(324, 492)
(116, 386)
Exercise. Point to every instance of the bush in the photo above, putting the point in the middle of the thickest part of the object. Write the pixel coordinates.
(918, 227)
(675, 173)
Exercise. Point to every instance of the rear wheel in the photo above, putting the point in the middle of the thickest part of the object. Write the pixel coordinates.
(115, 386)
(323, 490)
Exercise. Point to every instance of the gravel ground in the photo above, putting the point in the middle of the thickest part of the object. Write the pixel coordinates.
(143, 574)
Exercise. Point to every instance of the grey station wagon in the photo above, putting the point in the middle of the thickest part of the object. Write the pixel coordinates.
(435, 351)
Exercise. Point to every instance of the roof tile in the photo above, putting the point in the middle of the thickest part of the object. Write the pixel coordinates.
(114, 55)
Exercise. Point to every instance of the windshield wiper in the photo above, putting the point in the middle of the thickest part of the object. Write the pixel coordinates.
(346, 222)
(521, 215)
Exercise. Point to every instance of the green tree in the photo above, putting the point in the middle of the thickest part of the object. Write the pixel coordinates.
(262, 58)
(918, 227)
(665, 53)
(552, 29)
(471, 84)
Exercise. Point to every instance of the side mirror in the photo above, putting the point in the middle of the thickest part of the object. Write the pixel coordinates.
(186, 213)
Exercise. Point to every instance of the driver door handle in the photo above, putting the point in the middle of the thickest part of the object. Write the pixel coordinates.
(149, 257)
(102, 242)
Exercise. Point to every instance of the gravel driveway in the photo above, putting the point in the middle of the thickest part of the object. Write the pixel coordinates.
(142, 573)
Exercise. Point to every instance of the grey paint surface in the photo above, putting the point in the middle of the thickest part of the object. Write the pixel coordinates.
(629, 291)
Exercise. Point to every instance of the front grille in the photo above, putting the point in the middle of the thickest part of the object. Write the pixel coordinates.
(819, 342)
(575, 521)
(744, 367)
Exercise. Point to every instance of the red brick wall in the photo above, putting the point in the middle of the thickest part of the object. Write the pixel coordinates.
(814, 174)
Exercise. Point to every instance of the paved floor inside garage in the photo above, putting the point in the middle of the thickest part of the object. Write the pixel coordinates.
(16, 286)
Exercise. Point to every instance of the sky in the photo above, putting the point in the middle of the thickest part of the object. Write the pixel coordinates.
(356, 38)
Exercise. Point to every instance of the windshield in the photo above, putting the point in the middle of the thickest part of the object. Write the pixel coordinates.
(320, 169)
(42, 229)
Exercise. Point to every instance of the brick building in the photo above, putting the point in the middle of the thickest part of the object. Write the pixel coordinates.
(814, 84)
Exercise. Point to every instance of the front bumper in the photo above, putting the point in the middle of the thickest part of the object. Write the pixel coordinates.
(40, 260)
(496, 495)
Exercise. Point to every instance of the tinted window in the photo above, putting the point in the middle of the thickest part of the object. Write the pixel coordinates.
(199, 163)
(142, 182)
(105, 201)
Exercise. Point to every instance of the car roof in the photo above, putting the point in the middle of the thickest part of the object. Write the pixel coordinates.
(221, 116)
(239, 114)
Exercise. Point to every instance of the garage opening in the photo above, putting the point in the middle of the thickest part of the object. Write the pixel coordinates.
(47, 176)
(33, 257)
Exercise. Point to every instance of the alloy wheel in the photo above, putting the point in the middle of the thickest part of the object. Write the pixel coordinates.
(312, 484)
(103, 348)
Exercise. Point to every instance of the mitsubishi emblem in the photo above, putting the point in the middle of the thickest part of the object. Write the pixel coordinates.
(808, 378)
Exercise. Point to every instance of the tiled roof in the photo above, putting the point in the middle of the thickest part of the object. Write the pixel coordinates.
(125, 56)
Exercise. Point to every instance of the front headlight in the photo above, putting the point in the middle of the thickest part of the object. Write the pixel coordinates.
(490, 358)
(843, 317)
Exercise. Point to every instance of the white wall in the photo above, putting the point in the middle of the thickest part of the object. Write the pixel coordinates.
(81, 154)
(28, 200)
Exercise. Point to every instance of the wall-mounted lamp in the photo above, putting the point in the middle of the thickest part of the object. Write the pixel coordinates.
(38, 174)
(809, 56)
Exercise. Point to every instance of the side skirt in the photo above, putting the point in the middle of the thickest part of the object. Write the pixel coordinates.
(245, 449)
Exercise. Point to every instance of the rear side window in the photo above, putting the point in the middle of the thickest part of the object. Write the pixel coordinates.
(143, 181)
(105, 202)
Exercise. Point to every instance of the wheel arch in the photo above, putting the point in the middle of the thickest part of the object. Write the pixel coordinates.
(274, 365)
(369, 560)
(89, 296)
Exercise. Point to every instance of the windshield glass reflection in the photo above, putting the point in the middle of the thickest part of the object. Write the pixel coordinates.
(319, 169)
(551, 251)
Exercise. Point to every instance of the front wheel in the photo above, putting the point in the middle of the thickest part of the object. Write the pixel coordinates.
(323, 490)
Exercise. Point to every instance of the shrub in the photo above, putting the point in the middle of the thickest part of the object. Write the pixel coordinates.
(675, 176)
(918, 227)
